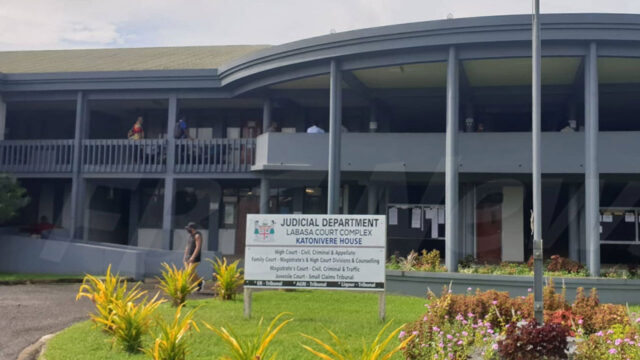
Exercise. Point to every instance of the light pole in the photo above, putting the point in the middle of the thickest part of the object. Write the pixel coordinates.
(536, 109)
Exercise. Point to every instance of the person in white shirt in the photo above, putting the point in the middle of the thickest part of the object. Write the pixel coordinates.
(315, 129)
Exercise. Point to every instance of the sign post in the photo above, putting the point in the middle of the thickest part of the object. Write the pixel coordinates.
(334, 252)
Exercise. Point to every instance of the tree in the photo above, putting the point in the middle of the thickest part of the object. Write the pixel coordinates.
(12, 197)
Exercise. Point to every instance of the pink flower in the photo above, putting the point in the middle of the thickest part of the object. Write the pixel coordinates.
(529, 290)
(580, 321)
(402, 334)
(618, 342)
(609, 332)
(464, 333)
(638, 320)
(495, 302)
(449, 336)
(613, 351)
(460, 342)
(600, 333)
(436, 329)
(470, 315)
(494, 346)
(469, 288)
(425, 318)
(414, 333)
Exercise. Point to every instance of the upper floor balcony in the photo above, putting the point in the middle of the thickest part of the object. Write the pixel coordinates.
(497, 152)
(127, 156)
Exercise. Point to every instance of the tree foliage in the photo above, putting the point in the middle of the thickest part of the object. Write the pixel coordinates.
(12, 197)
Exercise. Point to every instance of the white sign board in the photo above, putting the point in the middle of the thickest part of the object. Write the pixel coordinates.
(345, 252)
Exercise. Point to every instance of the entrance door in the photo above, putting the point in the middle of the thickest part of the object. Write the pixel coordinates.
(488, 233)
(246, 205)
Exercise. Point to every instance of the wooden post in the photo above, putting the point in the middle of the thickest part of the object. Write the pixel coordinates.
(247, 303)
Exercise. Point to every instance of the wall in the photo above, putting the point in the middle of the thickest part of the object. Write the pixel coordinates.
(506, 152)
(31, 255)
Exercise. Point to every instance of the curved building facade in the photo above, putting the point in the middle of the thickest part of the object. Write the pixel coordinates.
(384, 120)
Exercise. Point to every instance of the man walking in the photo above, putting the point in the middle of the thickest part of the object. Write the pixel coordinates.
(194, 248)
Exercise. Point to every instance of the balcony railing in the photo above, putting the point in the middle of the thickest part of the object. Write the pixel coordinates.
(123, 155)
(27, 156)
(215, 155)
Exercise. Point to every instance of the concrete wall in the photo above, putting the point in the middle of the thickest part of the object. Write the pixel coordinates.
(31, 255)
(416, 283)
(505, 152)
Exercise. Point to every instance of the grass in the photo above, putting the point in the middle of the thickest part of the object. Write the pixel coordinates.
(352, 316)
(20, 278)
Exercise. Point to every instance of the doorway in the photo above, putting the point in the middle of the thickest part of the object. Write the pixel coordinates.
(489, 232)
(249, 204)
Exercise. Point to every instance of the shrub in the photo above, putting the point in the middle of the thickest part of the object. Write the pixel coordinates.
(464, 337)
(171, 341)
(619, 342)
(425, 261)
(607, 315)
(105, 294)
(13, 197)
(178, 283)
(528, 341)
(375, 351)
(130, 322)
(228, 278)
(583, 308)
(250, 349)
(559, 263)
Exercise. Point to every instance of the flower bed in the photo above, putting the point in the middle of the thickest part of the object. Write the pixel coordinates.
(492, 325)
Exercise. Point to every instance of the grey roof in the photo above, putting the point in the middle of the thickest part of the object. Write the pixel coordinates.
(157, 58)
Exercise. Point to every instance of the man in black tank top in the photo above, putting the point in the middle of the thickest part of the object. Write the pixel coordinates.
(192, 251)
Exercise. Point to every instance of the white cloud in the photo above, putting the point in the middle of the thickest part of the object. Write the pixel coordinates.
(47, 24)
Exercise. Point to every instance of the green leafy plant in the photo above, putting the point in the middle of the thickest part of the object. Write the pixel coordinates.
(375, 351)
(105, 294)
(178, 283)
(250, 349)
(228, 278)
(13, 197)
(130, 321)
(171, 341)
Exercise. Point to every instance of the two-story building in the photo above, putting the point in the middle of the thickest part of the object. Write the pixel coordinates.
(65, 116)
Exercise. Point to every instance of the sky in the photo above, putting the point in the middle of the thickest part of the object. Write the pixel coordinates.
(72, 24)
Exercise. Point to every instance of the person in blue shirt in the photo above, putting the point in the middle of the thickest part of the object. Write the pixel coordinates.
(181, 131)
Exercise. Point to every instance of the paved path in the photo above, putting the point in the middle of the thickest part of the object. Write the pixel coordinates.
(28, 312)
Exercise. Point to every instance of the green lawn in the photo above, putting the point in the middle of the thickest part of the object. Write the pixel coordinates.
(352, 316)
(19, 278)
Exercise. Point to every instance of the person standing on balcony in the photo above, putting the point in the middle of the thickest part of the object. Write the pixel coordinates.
(136, 132)
(192, 251)
(181, 130)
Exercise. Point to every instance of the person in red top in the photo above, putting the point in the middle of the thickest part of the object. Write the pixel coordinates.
(137, 132)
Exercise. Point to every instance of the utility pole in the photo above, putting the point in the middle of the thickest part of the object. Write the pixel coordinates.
(536, 94)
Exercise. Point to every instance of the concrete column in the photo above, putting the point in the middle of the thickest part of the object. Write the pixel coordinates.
(298, 200)
(451, 165)
(335, 130)
(372, 199)
(134, 215)
(582, 230)
(214, 222)
(167, 213)
(266, 115)
(592, 175)
(373, 118)
(345, 199)
(468, 220)
(171, 141)
(265, 190)
(573, 219)
(169, 180)
(78, 188)
(87, 190)
(3, 118)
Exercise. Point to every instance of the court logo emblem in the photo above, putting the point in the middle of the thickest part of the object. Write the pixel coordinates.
(264, 231)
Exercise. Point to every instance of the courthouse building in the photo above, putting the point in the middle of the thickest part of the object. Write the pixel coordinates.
(401, 116)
